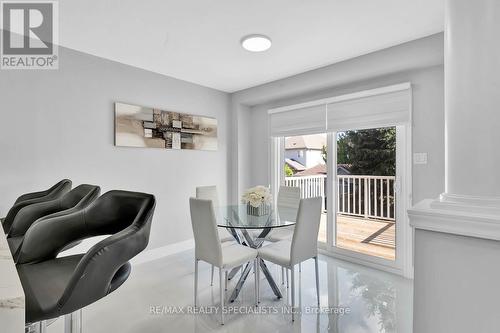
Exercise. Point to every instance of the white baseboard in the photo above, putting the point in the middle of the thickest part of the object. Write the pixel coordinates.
(164, 251)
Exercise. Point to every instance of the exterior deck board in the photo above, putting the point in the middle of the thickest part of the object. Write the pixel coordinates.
(368, 236)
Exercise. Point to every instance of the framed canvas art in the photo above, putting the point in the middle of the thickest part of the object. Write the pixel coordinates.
(139, 126)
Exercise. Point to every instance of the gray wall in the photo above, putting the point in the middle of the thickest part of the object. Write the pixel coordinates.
(456, 283)
(60, 124)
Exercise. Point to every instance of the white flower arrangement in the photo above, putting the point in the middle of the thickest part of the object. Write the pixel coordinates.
(257, 196)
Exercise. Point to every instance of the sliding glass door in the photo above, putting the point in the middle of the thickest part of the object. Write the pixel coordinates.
(358, 174)
(355, 152)
(305, 167)
(366, 192)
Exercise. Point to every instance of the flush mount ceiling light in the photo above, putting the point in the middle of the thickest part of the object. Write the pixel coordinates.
(256, 43)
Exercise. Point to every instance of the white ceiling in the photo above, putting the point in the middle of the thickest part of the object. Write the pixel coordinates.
(199, 40)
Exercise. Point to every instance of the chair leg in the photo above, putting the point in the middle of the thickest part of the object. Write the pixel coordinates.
(212, 278)
(282, 275)
(292, 291)
(317, 277)
(258, 280)
(39, 327)
(225, 286)
(221, 281)
(73, 322)
(196, 282)
(256, 275)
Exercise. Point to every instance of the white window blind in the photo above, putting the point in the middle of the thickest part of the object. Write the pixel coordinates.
(382, 109)
(300, 121)
(386, 106)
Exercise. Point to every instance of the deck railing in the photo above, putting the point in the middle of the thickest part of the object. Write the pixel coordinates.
(364, 196)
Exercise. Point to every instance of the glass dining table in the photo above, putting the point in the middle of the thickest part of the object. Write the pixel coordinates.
(250, 230)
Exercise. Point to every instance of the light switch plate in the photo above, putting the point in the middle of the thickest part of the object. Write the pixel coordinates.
(420, 158)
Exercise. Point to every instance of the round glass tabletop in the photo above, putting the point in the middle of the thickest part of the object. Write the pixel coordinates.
(239, 217)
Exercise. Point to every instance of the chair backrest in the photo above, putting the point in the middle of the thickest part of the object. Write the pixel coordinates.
(305, 238)
(127, 216)
(288, 202)
(81, 192)
(40, 194)
(115, 213)
(208, 193)
(78, 198)
(206, 236)
(52, 193)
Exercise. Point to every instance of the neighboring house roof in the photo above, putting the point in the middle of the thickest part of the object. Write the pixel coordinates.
(312, 142)
(343, 169)
(294, 165)
(320, 169)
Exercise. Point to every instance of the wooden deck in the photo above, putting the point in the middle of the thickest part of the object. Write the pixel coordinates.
(372, 237)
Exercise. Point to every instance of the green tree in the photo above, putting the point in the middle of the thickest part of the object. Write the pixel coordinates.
(288, 171)
(342, 157)
(368, 152)
(371, 151)
(341, 150)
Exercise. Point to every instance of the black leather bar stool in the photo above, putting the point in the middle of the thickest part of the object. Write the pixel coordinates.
(31, 198)
(59, 286)
(74, 200)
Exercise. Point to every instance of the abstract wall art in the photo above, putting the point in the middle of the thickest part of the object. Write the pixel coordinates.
(138, 126)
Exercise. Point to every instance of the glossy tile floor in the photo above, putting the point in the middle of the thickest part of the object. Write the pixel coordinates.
(373, 301)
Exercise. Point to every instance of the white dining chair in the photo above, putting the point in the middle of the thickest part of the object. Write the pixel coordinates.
(209, 249)
(303, 246)
(287, 203)
(210, 193)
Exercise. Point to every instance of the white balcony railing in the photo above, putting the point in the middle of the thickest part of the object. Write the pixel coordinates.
(364, 196)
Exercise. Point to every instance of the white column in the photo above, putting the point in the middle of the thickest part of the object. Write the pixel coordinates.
(472, 97)
(457, 236)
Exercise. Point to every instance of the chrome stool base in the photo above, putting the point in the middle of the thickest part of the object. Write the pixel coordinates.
(72, 324)
(38, 327)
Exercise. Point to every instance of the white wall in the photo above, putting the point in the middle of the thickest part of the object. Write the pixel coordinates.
(307, 157)
(60, 124)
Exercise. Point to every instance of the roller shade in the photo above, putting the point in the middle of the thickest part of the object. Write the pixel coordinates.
(300, 121)
(383, 109)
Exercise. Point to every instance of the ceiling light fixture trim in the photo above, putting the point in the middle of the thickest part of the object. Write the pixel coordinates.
(256, 43)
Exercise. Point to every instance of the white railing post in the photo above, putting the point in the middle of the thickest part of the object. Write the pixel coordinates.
(338, 192)
(348, 194)
(380, 186)
(366, 195)
(359, 196)
(387, 198)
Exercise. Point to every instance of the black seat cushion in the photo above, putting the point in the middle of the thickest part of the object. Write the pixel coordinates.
(44, 284)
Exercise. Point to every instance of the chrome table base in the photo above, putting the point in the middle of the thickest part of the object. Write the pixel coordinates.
(256, 243)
